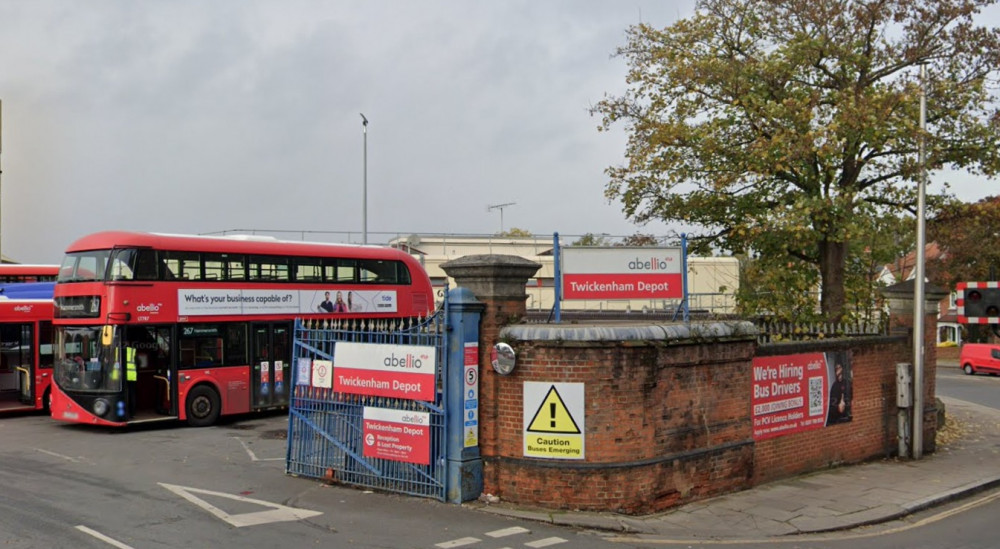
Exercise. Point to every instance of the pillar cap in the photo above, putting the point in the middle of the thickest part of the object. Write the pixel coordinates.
(908, 287)
(492, 276)
(491, 261)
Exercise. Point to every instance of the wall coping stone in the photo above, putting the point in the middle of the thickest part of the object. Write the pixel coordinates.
(730, 330)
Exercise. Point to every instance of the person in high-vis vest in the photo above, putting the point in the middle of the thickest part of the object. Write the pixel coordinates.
(131, 377)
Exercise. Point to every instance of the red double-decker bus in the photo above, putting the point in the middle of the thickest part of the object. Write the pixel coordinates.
(26, 355)
(206, 321)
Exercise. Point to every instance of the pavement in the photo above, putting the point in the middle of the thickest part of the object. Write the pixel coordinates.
(965, 462)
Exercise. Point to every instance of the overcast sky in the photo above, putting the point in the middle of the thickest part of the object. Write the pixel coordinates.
(206, 116)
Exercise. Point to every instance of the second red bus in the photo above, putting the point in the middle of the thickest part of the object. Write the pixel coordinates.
(22, 272)
(26, 354)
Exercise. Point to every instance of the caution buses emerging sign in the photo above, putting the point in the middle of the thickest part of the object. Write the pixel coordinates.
(554, 420)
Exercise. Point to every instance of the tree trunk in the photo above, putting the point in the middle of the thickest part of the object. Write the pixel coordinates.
(833, 270)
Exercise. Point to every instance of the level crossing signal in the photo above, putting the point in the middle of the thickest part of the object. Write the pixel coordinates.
(978, 302)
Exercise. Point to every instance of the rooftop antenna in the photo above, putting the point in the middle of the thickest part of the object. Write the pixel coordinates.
(500, 207)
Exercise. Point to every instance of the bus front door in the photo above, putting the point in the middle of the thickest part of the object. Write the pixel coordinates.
(272, 352)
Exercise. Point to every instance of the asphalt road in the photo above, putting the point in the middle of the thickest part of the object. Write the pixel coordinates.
(224, 486)
(982, 389)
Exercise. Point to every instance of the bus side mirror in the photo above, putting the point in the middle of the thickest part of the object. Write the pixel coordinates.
(106, 335)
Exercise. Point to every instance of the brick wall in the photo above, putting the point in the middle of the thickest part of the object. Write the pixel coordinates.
(664, 424)
(872, 431)
(667, 407)
(668, 424)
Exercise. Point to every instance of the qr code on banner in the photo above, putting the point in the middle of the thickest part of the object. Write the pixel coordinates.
(815, 396)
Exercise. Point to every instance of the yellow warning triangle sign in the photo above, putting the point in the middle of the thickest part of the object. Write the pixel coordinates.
(553, 416)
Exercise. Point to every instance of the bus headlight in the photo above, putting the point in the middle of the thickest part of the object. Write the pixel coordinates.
(101, 407)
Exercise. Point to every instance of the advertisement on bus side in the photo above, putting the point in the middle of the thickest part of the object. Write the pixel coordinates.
(205, 302)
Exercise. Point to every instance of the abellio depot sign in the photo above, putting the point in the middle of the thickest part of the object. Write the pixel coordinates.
(622, 273)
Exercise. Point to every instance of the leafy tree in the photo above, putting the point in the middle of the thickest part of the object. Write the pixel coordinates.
(789, 129)
(880, 241)
(639, 240)
(590, 239)
(966, 235)
(777, 290)
(514, 231)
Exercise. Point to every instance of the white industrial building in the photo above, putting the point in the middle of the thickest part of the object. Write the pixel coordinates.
(712, 281)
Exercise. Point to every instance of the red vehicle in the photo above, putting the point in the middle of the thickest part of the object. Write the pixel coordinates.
(18, 272)
(25, 354)
(207, 320)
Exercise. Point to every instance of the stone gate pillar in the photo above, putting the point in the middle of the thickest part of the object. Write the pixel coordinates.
(901, 321)
(498, 282)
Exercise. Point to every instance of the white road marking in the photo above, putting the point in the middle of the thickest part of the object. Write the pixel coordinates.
(110, 541)
(457, 543)
(60, 456)
(253, 456)
(508, 532)
(547, 542)
(277, 513)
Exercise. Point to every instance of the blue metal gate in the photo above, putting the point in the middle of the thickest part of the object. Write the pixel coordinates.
(326, 427)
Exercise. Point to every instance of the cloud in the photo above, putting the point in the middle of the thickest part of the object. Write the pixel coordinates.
(192, 117)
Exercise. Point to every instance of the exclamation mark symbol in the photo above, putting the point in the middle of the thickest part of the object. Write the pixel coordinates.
(552, 414)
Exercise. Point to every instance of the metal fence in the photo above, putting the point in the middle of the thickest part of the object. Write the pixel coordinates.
(769, 331)
(325, 429)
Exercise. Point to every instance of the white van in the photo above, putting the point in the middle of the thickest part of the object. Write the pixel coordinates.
(980, 357)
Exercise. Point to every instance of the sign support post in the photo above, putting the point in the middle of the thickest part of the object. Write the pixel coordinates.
(465, 464)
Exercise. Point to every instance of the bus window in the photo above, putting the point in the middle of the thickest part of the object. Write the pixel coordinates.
(16, 341)
(308, 269)
(382, 272)
(133, 264)
(84, 266)
(152, 345)
(269, 268)
(184, 265)
(208, 345)
(235, 341)
(45, 354)
(339, 270)
(228, 267)
(146, 265)
(236, 266)
(215, 266)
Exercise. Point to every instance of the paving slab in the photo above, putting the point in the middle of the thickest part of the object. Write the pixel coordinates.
(836, 499)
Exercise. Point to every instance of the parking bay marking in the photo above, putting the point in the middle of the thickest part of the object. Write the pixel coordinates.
(110, 541)
(277, 513)
(253, 456)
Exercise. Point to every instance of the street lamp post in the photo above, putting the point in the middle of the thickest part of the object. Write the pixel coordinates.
(918, 279)
(1, 169)
(364, 191)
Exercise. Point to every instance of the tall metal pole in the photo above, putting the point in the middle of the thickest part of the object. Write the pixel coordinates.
(918, 286)
(364, 192)
(1, 171)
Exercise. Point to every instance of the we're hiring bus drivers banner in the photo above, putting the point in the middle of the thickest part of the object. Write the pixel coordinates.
(622, 273)
(801, 392)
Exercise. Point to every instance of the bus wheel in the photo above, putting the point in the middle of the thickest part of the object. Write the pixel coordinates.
(202, 406)
(47, 401)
